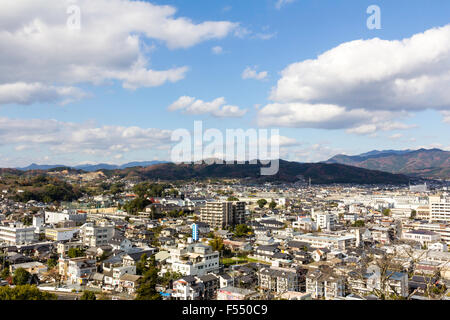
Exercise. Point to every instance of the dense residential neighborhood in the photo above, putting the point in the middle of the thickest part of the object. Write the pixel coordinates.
(229, 240)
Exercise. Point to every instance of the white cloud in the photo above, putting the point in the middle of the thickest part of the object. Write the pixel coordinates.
(324, 116)
(395, 136)
(181, 103)
(217, 50)
(265, 36)
(251, 73)
(68, 137)
(38, 48)
(281, 3)
(411, 74)
(446, 116)
(364, 85)
(217, 107)
(27, 93)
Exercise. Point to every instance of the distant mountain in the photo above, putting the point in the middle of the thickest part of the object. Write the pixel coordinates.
(35, 166)
(426, 163)
(376, 153)
(92, 167)
(320, 173)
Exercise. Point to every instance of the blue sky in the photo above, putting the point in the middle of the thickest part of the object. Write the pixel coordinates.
(259, 36)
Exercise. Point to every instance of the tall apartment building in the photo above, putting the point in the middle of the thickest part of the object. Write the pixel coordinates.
(326, 221)
(17, 233)
(439, 209)
(95, 235)
(222, 214)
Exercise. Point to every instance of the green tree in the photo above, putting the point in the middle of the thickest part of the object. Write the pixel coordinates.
(232, 198)
(241, 230)
(141, 265)
(5, 273)
(136, 205)
(217, 244)
(169, 277)
(358, 223)
(88, 295)
(386, 212)
(261, 203)
(51, 263)
(27, 220)
(21, 276)
(75, 252)
(272, 205)
(147, 284)
(25, 292)
(413, 214)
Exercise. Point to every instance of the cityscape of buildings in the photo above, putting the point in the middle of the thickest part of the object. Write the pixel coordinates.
(228, 240)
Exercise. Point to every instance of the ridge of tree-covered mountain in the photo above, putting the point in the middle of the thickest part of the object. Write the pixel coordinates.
(426, 163)
(91, 167)
(320, 173)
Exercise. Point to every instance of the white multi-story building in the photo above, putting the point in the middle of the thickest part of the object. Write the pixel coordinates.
(442, 229)
(61, 234)
(66, 215)
(195, 259)
(326, 221)
(338, 242)
(95, 235)
(439, 209)
(422, 236)
(222, 214)
(76, 270)
(17, 233)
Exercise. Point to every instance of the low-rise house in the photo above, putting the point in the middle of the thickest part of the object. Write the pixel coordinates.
(33, 267)
(235, 245)
(131, 259)
(129, 283)
(120, 243)
(225, 280)
(324, 284)
(280, 280)
(234, 293)
(367, 282)
(76, 270)
(210, 286)
(320, 254)
(187, 288)
(112, 277)
(63, 248)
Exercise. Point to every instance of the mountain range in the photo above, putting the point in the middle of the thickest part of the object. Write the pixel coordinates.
(92, 167)
(424, 163)
(373, 167)
(319, 173)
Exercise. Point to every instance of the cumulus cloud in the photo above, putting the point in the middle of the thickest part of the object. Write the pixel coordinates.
(27, 93)
(68, 137)
(217, 107)
(362, 85)
(413, 73)
(325, 116)
(38, 47)
(251, 73)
